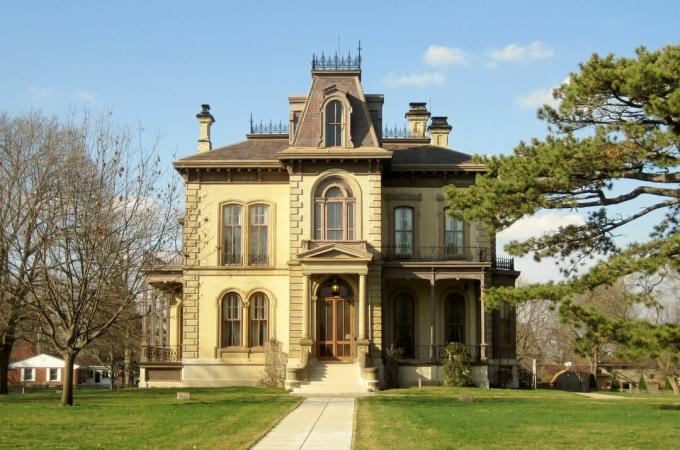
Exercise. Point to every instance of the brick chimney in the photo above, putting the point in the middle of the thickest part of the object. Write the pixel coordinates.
(439, 131)
(417, 117)
(205, 121)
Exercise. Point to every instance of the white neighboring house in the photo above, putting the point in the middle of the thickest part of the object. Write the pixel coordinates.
(41, 369)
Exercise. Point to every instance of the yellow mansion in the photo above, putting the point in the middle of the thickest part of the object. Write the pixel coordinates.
(330, 237)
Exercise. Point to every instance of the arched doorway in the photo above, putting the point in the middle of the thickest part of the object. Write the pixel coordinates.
(454, 318)
(404, 323)
(335, 321)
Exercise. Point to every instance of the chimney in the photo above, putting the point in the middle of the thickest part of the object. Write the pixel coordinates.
(439, 131)
(417, 117)
(205, 121)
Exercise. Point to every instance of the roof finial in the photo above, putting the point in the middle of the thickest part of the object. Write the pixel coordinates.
(359, 49)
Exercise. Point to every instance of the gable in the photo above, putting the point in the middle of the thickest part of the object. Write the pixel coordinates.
(335, 251)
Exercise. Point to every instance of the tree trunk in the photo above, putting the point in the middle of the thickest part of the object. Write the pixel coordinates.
(674, 383)
(5, 352)
(67, 388)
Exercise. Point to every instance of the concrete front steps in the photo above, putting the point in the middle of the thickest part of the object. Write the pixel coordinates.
(332, 378)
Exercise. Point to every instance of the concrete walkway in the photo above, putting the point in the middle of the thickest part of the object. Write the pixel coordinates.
(318, 423)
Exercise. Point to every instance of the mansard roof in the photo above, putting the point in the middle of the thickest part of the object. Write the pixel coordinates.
(260, 151)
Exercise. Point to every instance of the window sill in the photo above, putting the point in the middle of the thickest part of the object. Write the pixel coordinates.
(241, 350)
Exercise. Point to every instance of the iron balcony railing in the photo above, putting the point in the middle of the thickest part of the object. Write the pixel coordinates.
(435, 353)
(161, 353)
(445, 253)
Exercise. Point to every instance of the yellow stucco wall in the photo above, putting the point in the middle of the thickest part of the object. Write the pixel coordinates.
(215, 280)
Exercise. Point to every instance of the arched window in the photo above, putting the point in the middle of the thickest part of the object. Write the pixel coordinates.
(258, 251)
(403, 230)
(454, 316)
(454, 234)
(334, 124)
(232, 235)
(334, 211)
(259, 316)
(404, 324)
(231, 320)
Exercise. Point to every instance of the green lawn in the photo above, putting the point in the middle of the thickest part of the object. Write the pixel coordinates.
(142, 418)
(434, 418)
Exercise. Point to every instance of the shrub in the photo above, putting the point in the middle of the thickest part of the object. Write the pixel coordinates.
(392, 356)
(274, 365)
(457, 365)
(641, 383)
(616, 386)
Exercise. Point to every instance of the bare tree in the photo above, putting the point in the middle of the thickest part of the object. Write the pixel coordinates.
(31, 149)
(111, 210)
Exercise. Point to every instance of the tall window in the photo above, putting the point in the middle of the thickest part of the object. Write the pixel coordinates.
(454, 316)
(231, 321)
(334, 124)
(231, 235)
(259, 315)
(403, 230)
(334, 211)
(454, 234)
(404, 324)
(258, 253)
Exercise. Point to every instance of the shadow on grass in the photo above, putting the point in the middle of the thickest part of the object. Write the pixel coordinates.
(670, 407)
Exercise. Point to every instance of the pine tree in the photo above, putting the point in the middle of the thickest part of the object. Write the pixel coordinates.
(614, 139)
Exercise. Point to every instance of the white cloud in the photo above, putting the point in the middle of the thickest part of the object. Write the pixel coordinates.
(535, 226)
(84, 96)
(439, 55)
(539, 97)
(538, 225)
(515, 52)
(414, 79)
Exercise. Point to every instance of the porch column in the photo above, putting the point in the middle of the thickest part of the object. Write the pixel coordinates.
(362, 307)
(433, 304)
(482, 323)
(305, 307)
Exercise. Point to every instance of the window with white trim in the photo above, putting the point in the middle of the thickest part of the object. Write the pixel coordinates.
(29, 374)
(53, 374)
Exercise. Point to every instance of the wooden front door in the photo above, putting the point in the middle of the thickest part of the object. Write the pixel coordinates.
(335, 318)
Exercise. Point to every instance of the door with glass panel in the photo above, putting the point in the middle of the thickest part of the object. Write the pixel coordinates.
(335, 317)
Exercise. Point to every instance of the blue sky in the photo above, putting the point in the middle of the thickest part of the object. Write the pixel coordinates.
(155, 62)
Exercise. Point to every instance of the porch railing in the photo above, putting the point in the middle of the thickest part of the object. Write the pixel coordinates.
(446, 253)
(436, 353)
(430, 253)
(165, 353)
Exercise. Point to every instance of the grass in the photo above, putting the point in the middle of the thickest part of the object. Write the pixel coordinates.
(143, 418)
(434, 418)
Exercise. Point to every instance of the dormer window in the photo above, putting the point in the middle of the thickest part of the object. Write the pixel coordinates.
(334, 124)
